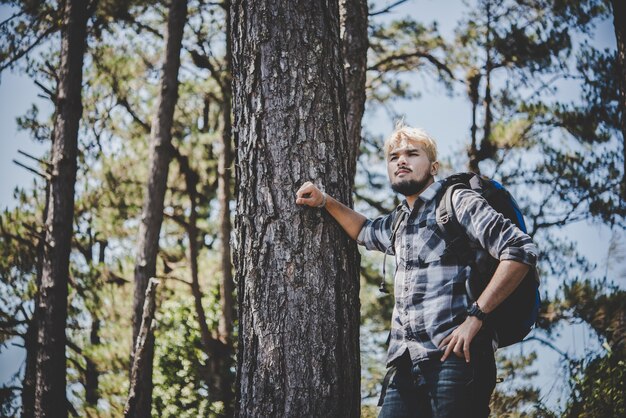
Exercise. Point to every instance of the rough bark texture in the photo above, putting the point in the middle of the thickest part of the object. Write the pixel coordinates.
(296, 269)
(619, 22)
(52, 309)
(152, 216)
(354, 40)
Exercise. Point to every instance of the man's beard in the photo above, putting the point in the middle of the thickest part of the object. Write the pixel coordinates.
(409, 187)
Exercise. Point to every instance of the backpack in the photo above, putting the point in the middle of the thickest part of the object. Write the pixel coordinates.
(517, 314)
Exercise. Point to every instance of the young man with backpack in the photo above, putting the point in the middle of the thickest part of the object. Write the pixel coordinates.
(443, 336)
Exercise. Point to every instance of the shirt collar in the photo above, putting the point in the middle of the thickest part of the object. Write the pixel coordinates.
(427, 195)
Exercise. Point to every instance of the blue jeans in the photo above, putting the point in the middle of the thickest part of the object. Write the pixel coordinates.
(452, 389)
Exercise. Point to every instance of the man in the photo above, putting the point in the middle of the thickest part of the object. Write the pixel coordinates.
(441, 357)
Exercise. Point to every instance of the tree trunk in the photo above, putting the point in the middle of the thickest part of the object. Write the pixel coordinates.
(354, 40)
(152, 216)
(487, 149)
(92, 393)
(30, 340)
(50, 400)
(91, 370)
(213, 347)
(29, 381)
(619, 22)
(296, 269)
(139, 351)
(224, 167)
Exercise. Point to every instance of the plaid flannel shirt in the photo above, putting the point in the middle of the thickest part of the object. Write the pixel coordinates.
(430, 296)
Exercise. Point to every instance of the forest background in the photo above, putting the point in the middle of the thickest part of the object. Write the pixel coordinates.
(540, 79)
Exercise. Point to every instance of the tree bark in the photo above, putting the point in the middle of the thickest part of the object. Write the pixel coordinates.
(30, 340)
(152, 215)
(139, 351)
(29, 381)
(297, 274)
(619, 22)
(50, 400)
(354, 42)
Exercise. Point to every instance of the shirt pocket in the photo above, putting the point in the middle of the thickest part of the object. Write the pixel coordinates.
(434, 244)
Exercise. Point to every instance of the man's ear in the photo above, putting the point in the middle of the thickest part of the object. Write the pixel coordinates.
(434, 167)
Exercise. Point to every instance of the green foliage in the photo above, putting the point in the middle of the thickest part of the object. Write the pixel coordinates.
(180, 376)
(30, 23)
(515, 395)
(398, 48)
(599, 388)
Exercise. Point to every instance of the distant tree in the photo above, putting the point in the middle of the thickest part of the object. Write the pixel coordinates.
(152, 215)
(597, 382)
(619, 22)
(298, 288)
(52, 300)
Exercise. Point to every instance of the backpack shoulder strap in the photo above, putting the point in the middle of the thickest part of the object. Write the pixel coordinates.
(446, 217)
(399, 216)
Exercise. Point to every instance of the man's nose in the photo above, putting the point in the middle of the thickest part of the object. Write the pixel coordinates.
(401, 159)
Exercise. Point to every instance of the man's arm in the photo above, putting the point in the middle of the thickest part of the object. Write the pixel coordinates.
(505, 280)
(350, 221)
(504, 241)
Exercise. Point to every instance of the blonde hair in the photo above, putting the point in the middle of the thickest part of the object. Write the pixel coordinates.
(404, 133)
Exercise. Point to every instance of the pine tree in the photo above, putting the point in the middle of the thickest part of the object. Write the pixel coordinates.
(298, 290)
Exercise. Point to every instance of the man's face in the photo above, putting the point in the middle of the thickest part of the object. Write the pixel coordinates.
(410, 171)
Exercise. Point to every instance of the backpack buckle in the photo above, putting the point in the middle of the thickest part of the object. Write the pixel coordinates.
(444, 219)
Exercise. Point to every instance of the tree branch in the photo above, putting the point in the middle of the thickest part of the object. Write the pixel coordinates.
(419, 54)
(388, 8)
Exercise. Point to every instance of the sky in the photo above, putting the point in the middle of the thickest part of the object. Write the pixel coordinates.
(433, 113)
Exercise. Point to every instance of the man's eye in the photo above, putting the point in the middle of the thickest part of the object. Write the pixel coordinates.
(393, 158)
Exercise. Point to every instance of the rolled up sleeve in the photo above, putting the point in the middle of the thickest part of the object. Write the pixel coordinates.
(375, 234)
(491, 230)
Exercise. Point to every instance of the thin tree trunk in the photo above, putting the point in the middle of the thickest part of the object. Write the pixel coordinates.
(152, 216)
(224, 167)
(91, 370)
(30, 341)
(215, 349)
(354, 41)
(487, 148)
(139, 351)
(473, 84)
(298, 278)
(50, 400)
(29, 381)
(619, 22)
(223, 194)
